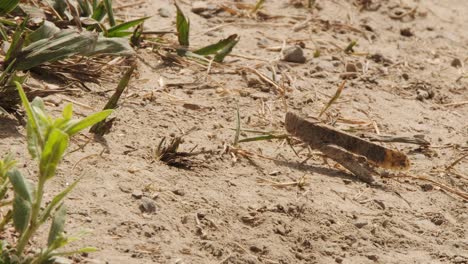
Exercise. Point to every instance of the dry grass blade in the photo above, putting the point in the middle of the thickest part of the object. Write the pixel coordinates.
(238, 128)
(462, 194)
(334, 98)
(301, 182)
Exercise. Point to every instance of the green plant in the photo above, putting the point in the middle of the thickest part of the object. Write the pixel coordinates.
(47, 140)
(92, 15)
(6, 6)
(220, 49)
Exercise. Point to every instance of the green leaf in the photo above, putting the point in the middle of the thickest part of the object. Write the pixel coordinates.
(6, 6)
(258, 6)
(35, 14)
(34, 134)
(111, 46)
(20, 185)
(112, 32)
(87, 122)
(99, 12)
(17, 42)
(3, 32)
(110, 12)
(214, 48)
(45, 31)
(62, 45)
(54, 148)
(58, 224)
(74, 252)
(112, 103)
(60, 6)
(219, 57)
(21, 213)
(56, 201)
(334, 98)
(67, 111)
(85, 8)
(183, 27)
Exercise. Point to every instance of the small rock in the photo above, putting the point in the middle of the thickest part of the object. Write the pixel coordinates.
(427, 187)
(255, 249)
(373, 257)
(257, 96)
(192, 106)
(379, 58)
(421, 95)
(147, 206)
(360, 223)
(351, 67)
(262, 43)
(244, 93)
(460, 260)
(405, 76)
(456, 63)
(125, 189)
(179, 192)
(294, 54)
(137, 194)
(406, 32)
(280, 230)
(254, 82)
(164, 12)
(338, 260)
(438, 220)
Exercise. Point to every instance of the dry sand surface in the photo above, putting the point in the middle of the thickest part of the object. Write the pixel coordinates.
(260, 202)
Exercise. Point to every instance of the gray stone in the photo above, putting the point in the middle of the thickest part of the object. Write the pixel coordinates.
(294, 54)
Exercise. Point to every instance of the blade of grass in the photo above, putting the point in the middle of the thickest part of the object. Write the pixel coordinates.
(334, 98)
(99, 128)
(350, 47)
(3, 32)
(6, 6)
(124, 26)
(183, 27)
(110, 12)
(219, 57)
(99, 11)
(257, 6)
(214, 48)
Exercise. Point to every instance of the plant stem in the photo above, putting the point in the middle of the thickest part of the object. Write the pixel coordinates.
(33, 223)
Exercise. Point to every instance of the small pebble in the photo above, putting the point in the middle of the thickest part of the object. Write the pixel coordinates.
(456, 63)
(137, 194)
(427, 187)
(360, 223)
(351, 67)
(294, 54)
(164, 12)
(406, 32)
(373, 257)
(179, 192)
(147, 206)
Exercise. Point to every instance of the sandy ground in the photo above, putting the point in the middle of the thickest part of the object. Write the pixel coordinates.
(224, 208)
